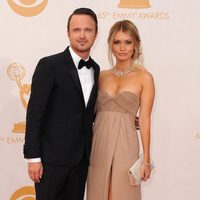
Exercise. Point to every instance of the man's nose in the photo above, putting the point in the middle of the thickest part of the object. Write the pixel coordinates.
(82, 34)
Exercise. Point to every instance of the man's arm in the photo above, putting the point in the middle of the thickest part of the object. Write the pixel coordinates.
(42, 84)
(137, 126)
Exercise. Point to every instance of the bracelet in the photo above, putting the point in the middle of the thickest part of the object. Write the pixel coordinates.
(146, 164)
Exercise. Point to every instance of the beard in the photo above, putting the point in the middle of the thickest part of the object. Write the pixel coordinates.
(85, 47)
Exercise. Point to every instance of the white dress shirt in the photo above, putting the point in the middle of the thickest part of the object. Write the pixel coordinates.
(86, 77)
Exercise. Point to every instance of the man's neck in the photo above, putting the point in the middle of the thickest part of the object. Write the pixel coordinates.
(84, 55)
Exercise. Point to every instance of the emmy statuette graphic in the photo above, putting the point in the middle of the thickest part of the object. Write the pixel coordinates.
(17, 72)
(134, 4)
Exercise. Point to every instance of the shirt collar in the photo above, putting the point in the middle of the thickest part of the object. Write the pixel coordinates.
(75, 57)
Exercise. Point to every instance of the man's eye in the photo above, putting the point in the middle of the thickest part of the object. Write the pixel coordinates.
(88, 30)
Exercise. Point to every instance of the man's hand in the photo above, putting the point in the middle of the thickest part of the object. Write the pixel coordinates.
(137, 123)
(35, 171)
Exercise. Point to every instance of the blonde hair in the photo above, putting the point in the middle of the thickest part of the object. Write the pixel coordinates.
(128, 27)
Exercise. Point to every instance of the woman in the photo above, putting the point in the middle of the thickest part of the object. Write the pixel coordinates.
(123, 90)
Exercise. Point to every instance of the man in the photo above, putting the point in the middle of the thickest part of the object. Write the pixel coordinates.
(60, 114)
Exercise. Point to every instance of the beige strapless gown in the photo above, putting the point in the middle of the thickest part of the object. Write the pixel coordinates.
(114, 147)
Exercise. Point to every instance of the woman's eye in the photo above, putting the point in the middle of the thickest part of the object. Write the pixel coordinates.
(116, 42)
(128, 42)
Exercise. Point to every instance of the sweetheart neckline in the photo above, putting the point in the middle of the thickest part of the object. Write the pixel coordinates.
(113, 96)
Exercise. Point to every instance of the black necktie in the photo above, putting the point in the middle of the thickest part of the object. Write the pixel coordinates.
(83, 63)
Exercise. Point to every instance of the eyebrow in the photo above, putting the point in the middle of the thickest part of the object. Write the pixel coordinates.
(122, 40)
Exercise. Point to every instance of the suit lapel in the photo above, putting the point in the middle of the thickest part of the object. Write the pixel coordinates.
(74, 73)
(95, 86)
(76, 80)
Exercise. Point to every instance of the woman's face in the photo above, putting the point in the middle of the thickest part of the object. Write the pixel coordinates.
(123, 46)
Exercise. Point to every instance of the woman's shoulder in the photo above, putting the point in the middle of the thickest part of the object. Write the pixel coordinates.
(143, 73)
(105, 73)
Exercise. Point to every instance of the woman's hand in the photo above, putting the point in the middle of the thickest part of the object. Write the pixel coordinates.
(145, 171)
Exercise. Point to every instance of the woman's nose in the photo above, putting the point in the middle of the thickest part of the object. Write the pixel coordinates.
(122, 46)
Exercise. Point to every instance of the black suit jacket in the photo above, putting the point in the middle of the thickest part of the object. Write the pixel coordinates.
(58, 124)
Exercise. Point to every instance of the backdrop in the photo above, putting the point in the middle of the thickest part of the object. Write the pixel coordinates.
(31, 29)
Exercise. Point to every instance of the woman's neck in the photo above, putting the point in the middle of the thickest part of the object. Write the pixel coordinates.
(123, 65)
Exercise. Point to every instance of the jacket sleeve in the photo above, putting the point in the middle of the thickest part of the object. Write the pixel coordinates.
(41, 88)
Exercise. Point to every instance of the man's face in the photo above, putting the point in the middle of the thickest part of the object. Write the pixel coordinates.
(82, 33)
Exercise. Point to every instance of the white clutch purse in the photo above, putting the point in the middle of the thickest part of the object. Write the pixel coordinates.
(134, 172)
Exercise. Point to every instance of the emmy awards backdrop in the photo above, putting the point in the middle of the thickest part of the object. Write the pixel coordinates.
(169, 30)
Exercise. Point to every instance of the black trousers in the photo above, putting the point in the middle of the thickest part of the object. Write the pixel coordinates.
(62, 182)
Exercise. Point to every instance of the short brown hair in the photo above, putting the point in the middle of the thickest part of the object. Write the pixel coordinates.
(84, 11)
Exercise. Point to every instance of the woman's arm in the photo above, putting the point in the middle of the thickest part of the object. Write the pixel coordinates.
(147, 98)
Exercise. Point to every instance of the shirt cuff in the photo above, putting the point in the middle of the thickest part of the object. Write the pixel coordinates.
(33, 160)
